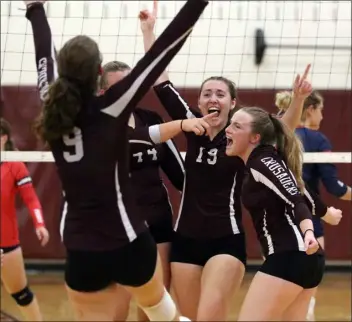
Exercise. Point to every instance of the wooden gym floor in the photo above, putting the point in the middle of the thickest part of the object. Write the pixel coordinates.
(333, 299)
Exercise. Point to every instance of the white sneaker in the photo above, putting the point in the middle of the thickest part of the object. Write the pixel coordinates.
(183, 318)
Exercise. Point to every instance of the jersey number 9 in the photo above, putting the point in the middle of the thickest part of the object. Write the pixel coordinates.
(74, 140)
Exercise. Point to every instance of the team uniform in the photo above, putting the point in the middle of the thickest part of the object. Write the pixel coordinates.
(313, 173)
(151, 194)
(146, 161)
(16, 179)
(106, 239)
(210, 219)
(277, 207)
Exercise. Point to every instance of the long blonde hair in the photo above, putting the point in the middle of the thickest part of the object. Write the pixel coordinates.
(283, 100)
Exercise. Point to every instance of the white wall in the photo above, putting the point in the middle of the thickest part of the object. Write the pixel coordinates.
(221, 43)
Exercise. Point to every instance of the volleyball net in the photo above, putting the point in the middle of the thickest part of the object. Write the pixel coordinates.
(42, 156)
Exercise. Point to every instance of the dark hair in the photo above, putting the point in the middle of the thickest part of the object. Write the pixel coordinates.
(284, 99)
(113, 66)
(5, 129)
(232, 90)
(79, 63)
(273, 132)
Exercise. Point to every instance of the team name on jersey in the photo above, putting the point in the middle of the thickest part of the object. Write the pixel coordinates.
(43, 84)
(281, 173)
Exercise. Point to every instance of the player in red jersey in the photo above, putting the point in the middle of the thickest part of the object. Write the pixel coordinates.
(15, 178)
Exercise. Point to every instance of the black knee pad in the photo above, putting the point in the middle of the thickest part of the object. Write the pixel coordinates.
(24, 297)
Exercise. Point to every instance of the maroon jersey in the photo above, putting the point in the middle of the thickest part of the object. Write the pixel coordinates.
(93, 161)
(276, 205)
(146, 160)
(211, 203)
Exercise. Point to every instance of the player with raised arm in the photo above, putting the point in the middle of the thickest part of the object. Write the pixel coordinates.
(208, 253)
(314, 173)
(146, 160)
(15, 179)
(274, 194)
(107, 241)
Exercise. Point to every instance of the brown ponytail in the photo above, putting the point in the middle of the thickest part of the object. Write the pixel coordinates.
(273, 132)
(79, 64)
(60, 110)
(290, 149)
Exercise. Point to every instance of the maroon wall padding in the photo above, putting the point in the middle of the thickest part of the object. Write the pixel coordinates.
(21, 106)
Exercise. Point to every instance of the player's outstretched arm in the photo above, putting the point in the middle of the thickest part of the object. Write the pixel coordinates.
(43, 45)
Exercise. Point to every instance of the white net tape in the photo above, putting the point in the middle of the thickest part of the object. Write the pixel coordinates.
(40, 156)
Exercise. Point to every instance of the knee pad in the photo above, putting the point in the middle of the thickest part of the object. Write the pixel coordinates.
(165, 310)
(24, 297)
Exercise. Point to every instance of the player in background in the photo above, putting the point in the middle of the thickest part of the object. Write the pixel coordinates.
(146, 161)
(16, 179)
(208, 254)
(313, 173)
(274, 194)
(107, 242)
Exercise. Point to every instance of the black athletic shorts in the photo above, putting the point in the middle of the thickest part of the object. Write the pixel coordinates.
(198, 252)
(297, 267)
(162, 230)
(131, 265)
(9, 248)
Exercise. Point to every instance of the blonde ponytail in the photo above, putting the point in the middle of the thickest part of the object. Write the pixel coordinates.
(283, 100)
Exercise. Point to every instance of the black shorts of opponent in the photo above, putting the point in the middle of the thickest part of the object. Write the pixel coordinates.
(9, 249)
(297, 267)
(131, 265)
(198, 252)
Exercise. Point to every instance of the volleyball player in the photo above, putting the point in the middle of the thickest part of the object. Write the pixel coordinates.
(149, 189)
(208, 253)
(16, 179)
(106, 240)
(314, 173)
(146, 158)
(273, 192)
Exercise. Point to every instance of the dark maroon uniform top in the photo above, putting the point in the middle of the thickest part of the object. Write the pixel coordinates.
(146, 161)
(275, 203)
(211, 203)
(93, 162)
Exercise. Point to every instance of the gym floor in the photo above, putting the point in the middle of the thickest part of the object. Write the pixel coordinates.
(333, 299)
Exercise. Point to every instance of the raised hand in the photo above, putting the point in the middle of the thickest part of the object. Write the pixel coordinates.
(333, 216)
(148, 18)
(302, 88)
